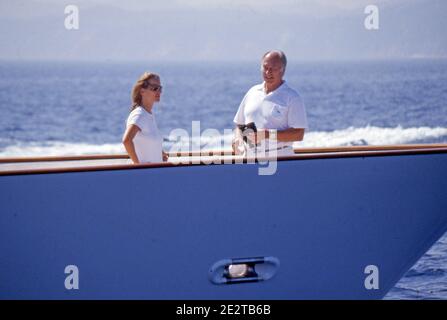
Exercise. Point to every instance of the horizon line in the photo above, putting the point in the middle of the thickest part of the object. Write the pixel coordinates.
(290, 61)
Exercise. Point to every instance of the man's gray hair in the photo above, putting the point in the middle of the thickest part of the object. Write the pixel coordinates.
(281, 55)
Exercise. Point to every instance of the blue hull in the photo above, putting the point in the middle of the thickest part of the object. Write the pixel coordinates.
(154, 233)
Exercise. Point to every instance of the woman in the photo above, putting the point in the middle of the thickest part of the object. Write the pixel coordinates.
(142, 139)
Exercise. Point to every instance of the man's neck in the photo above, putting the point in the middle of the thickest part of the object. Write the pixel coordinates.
(269, 89)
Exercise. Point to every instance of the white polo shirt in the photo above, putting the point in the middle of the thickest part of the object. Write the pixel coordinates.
(280, 109)
(148, 141)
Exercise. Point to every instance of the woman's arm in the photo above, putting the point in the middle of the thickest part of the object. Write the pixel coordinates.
(130, 133)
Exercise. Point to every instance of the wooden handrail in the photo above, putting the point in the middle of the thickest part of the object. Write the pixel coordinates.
(304, 156)
(225, 152)
(64, 158)
(370, 148)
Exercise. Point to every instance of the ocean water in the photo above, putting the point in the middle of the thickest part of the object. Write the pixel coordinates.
(61, 108)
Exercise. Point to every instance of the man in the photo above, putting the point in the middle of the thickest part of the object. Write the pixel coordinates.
(276, 110)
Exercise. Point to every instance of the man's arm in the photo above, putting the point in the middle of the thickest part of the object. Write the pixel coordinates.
(287, 135)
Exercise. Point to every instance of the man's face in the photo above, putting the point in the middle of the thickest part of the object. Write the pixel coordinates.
(272, 70)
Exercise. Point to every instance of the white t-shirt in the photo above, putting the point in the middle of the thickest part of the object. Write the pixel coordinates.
(148, 141)
(280, 109)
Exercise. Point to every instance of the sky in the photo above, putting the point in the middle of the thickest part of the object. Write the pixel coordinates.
(221, 30)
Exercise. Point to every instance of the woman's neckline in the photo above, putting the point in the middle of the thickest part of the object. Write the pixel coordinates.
(146, 110)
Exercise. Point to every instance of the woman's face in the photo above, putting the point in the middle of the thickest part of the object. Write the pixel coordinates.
(153, 91)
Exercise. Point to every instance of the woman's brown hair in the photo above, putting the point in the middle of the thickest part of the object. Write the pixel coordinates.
(142, 82)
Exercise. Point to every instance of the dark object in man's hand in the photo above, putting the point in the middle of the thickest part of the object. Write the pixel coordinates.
(246, 129)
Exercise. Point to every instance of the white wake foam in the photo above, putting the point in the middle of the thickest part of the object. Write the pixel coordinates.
(345, 137)
(58, 148)
(373, 136)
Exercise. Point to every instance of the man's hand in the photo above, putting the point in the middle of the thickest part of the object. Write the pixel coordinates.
(257, 137)
(238, 146)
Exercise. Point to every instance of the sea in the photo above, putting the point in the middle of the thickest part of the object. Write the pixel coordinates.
(73, 108)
